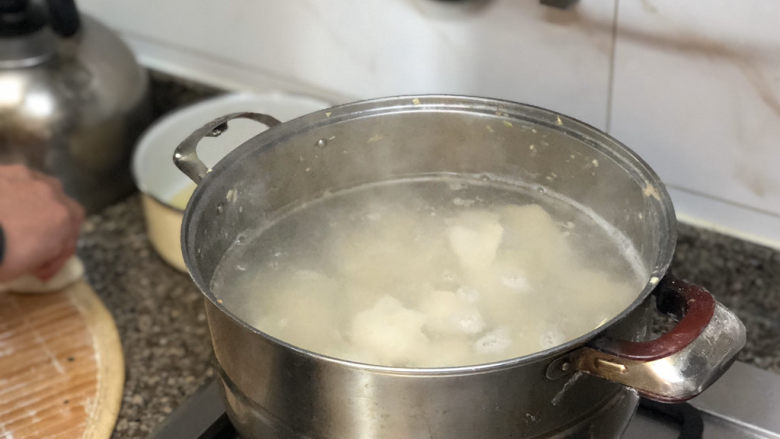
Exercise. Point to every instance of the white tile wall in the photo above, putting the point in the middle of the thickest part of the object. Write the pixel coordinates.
(514, 49)
(697, 94)
(696, 87)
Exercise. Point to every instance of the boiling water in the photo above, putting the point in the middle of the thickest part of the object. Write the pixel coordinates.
(430, 273)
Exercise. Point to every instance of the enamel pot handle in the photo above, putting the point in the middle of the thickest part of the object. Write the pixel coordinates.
(186, 155)
(681, 363)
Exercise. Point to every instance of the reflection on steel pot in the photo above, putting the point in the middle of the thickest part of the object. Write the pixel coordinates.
(276, 390)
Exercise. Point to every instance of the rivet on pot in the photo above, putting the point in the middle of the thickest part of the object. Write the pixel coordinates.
(559, 368)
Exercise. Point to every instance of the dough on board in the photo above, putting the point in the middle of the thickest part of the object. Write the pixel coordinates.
(69, 273)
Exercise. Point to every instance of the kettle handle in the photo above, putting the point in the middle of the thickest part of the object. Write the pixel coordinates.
(186, 155)
(679, 364)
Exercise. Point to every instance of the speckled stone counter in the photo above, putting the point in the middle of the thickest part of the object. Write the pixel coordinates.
(162, 324)
(159, 314)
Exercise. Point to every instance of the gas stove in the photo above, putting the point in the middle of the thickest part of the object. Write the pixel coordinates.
(743, 403)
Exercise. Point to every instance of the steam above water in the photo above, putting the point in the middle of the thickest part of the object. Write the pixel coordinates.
(429, 273)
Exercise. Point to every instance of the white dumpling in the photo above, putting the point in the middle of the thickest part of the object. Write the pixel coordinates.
(449, 313)
(71, 271)
(474, 237)
(511, 275)
(296, 309)
(376, 254)
(390, 333)
(534, 238)
(590, 297)
(495, 343)
(450, 351)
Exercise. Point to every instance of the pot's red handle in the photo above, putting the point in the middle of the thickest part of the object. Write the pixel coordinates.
(692, 304)
(681, 363)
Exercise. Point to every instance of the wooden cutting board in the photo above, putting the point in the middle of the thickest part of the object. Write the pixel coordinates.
(61, 365)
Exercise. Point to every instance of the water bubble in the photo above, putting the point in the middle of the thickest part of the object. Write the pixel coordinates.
(468, 294)
(456, 185)
(517, 282)
(551, 338)
(496, 341)
(462, 202)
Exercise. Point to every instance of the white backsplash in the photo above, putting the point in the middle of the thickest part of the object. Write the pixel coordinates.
(696, 93)
(696, 85)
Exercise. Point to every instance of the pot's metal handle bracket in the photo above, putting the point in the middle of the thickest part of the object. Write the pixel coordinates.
(679, 364)
(186, 155)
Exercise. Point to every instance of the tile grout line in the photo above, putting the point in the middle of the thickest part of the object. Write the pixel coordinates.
(723, 200)
(611, 73)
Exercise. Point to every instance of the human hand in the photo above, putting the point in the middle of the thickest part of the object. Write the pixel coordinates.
(40, 223)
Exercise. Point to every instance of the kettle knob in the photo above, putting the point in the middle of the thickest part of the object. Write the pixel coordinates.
(21, 17)
(12, 6)
(63, 17)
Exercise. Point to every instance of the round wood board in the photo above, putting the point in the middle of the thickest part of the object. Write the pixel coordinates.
(61, 365)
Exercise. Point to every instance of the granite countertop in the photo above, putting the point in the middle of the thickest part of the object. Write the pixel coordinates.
(162, 324)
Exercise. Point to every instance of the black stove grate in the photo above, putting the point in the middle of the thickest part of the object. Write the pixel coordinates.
(220, 429)
(684, 415)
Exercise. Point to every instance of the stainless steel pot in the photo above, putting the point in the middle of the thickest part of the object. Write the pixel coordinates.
(275, 390)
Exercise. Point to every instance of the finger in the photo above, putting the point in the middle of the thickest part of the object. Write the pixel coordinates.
(16, 172)
(77, 217)
(42, 176)
(78, 210)
(60, 193)
(50, 268)
(75, 210)
(54, 182)
(73, 244)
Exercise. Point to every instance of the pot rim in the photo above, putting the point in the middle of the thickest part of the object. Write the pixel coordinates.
(573, 127)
